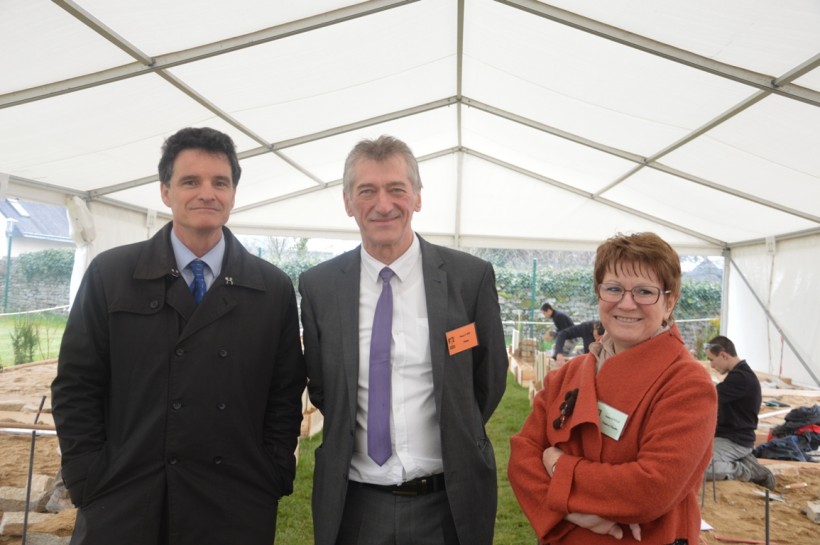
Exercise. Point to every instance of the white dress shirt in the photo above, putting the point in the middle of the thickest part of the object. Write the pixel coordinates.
(414, 429)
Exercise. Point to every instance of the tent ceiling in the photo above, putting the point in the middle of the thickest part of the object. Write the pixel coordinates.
(538, 125)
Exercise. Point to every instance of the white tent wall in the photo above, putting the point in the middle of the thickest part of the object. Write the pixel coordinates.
(110, 226)
(772, 306)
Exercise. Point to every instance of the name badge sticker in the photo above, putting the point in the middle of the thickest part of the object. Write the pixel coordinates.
(461, 339)
(612, 420)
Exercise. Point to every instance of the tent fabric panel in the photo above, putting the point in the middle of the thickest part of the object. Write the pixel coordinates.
(37, 33)
(767, 37)
(794, 286)
(114, 226)
(596, 94)
(746, 323)
(81, 140)
(810, 80)
(439, 196)
(535, 208)
(305, 83)
(267, 176)
(769, 152)
(319, 211)
(203, 22)
(697, 206)
(541, 153)
(792, 292)
(426, 132)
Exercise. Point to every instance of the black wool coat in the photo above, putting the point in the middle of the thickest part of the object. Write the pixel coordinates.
(161, 404)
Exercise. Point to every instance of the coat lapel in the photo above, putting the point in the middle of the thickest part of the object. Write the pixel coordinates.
(347, 301)
(435, 292)
(584, 418)
(156, 261)
(622, 383)
(239, 269)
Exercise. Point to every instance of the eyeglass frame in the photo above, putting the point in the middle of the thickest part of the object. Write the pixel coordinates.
(632, 291)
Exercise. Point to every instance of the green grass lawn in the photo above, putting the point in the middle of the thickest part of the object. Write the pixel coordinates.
(48, 327)
(295, 524)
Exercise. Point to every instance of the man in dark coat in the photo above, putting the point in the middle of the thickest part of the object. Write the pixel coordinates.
(445, 361)
(178, 419)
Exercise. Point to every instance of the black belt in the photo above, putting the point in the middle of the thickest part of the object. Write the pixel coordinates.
(416, 487)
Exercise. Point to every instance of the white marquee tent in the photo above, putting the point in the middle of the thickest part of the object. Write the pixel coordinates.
(538, 125)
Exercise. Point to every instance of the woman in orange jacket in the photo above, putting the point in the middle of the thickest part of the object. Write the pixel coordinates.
(618, 440)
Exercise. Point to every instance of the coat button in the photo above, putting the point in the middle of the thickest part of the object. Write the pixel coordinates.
(218, 460)
(221, 406)
(176, 405)
(173, 460)
(154, 304)
(179, 352)
(223, 353)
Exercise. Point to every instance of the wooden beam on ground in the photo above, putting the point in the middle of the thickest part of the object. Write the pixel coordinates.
(778, 392)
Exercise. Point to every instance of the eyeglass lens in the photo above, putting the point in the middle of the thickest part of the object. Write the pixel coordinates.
(642, 295)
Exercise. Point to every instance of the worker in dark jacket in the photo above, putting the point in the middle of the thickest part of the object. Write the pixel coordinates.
(561, 321)
(177, 399)
(589, 332)
(739, 400)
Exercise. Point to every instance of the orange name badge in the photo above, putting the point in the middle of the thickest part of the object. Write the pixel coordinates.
(459, 340)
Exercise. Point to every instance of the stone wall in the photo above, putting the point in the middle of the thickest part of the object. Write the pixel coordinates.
(30, 294)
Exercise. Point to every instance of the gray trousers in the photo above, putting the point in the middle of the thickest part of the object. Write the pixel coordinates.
(725, 455)
(375, 517)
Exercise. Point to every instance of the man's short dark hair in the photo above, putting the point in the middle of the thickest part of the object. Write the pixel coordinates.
(721, 344)
(545, 307)
(203, 138)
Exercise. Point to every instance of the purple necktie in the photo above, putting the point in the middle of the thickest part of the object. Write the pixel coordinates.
(198, 285)
(378, 396)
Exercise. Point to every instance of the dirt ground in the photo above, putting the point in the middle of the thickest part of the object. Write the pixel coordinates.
(738, 514)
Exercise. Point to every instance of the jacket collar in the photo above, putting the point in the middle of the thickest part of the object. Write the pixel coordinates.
(622, 384)
(157, 260)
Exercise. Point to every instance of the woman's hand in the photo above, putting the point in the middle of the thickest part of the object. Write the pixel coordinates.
(550, 457)
(593, 523)
(601, 526)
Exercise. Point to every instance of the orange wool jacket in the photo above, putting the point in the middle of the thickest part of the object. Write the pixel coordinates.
(650, 475)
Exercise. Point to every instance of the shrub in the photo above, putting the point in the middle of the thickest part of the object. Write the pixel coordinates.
(51, 263)
(25, 339)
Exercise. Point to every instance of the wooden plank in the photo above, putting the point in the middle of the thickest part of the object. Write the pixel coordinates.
(778, 392)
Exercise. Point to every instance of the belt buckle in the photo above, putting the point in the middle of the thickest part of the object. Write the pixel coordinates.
(405, 493)
(416, 487)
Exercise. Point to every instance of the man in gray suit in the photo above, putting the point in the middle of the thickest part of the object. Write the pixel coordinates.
(446, 371)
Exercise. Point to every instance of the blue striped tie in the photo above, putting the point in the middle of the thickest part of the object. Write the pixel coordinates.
(198, 285)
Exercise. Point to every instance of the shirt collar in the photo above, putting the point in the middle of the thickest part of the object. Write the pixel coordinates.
(401, 267)
(184, 255)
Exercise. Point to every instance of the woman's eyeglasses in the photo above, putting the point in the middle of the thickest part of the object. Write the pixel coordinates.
(642, 295)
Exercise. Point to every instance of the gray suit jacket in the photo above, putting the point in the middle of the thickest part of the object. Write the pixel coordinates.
(460, 289)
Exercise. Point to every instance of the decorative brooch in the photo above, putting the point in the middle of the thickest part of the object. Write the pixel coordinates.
(566, 408)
